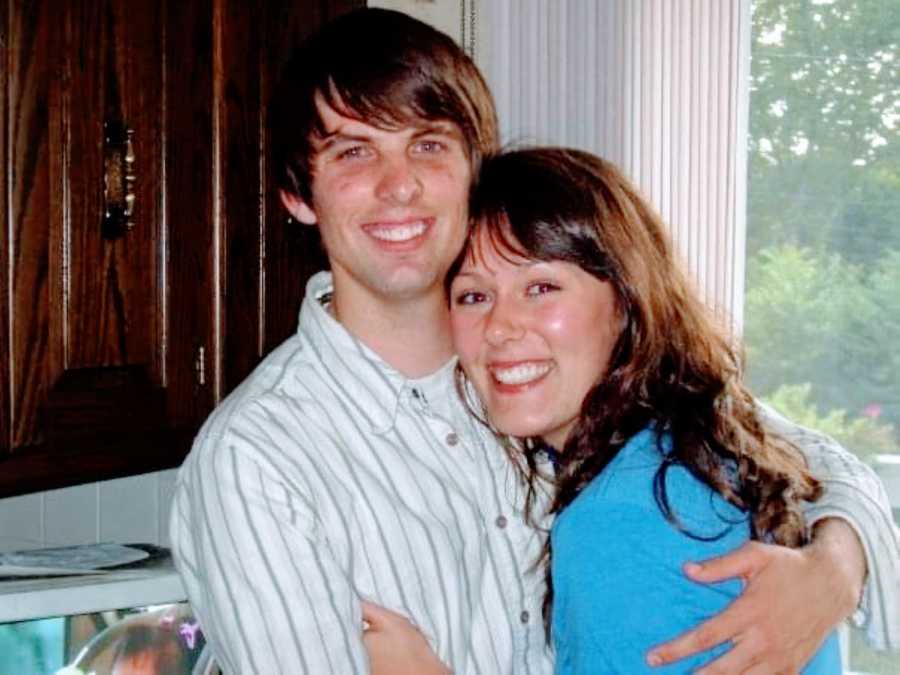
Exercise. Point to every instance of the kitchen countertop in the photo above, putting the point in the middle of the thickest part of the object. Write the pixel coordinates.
(153, 583)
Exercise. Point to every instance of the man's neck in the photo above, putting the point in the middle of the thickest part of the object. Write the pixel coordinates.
(412, 335)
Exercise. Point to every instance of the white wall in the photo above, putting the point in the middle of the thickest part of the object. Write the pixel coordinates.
(448, 16)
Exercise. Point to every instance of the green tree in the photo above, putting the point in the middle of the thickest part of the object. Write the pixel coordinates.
(817, 320)
(799, 306)
(878, 340)
(824, 125)
(866, 435)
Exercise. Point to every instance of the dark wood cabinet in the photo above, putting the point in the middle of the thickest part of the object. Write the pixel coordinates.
(118, 335)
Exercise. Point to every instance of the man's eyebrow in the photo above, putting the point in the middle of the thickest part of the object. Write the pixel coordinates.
(338, 136)
(443, 128)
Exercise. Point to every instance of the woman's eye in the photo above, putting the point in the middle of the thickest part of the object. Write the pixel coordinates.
(541, 288)
(469, 298)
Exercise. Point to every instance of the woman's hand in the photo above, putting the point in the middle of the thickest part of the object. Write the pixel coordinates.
(792, 599)
(396, 646)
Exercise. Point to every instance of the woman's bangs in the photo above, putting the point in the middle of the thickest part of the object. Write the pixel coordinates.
(492, 231)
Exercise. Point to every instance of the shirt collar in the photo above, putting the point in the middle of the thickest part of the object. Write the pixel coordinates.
(381, 387)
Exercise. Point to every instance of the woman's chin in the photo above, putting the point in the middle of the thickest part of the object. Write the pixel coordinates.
(517, 427)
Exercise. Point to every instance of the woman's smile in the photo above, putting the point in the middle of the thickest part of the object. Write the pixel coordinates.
(515, 376)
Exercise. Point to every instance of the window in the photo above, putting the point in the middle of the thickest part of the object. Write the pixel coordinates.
(822, 303)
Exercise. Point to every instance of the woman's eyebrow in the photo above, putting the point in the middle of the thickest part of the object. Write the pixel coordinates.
(465, 273)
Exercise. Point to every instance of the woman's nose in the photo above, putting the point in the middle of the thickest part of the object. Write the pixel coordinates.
(399, 182)
(503, 324)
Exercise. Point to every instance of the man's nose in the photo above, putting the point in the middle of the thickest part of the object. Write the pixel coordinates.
(400, 181)
(504, 323)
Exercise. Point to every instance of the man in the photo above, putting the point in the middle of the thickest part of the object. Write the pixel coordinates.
(346, 469)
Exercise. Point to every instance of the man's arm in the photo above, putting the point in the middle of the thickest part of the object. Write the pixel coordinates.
(269, 596)
(856, 496)
(794, 598)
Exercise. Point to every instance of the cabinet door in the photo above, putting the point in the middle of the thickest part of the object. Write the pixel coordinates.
(89, 305)
(118, 336)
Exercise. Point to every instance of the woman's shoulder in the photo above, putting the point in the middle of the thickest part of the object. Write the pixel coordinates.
(636, 480)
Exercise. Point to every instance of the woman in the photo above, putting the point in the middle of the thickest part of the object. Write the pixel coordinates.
(587, 346)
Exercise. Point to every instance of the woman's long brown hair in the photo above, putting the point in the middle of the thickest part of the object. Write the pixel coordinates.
(671, 367)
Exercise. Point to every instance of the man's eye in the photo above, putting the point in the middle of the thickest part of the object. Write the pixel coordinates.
(469, 298)
(355, 152)
(429, 146)
(541, 288)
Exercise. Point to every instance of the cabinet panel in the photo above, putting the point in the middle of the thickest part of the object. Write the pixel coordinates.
(110, 288)
(192, 346)
(5, 243)
(32, 361)
(239, 32)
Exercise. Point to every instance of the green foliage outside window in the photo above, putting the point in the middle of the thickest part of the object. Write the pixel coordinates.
(822, 313)
(821, 339)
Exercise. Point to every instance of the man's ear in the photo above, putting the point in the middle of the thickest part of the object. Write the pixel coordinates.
(298, 208)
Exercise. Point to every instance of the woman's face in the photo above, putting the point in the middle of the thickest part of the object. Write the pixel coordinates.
(533, 337)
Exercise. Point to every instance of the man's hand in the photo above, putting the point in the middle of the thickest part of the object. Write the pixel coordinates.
(791, 601)
(396, 646)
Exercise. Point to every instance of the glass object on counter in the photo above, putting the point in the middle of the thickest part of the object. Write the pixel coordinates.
(157, 640)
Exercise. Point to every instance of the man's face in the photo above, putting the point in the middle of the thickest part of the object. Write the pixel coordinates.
(391, 205)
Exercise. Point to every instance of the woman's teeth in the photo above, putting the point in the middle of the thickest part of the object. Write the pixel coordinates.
(398, 232)
(521, 374)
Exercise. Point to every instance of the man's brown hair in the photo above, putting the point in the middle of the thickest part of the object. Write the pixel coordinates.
(383, 68)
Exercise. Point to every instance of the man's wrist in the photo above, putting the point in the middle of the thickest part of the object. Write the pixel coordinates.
(837, 548)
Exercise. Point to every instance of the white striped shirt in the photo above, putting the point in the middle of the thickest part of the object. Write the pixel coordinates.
(327, 477)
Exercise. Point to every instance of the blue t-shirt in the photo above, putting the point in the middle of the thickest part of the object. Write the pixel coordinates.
(619, 586)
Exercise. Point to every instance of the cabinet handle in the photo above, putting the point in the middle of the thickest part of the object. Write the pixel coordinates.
(200, 365)
(119, 178)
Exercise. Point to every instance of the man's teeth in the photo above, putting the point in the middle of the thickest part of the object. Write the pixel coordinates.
(521, 374)
(398, 232)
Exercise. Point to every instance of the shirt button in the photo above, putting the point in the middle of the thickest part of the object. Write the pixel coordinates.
(524, 616)
(500, 522)
(452, 438)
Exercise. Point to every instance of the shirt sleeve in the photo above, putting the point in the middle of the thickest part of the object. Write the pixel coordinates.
(246, 534)
(854, 493)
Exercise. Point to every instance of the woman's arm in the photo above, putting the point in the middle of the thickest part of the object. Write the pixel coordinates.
(396, 646)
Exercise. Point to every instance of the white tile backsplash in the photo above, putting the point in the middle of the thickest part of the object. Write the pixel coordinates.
(129, 510)
(133, 509)
(21, 518)
(165, 492)
(70, 515)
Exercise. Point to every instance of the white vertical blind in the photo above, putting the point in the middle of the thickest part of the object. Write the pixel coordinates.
(657, 86)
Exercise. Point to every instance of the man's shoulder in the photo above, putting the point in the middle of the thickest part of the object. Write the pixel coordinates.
(278, 395)
(805, 438)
